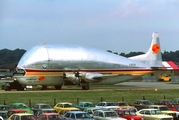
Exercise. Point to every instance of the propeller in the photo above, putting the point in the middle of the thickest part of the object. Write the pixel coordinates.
(77, 74)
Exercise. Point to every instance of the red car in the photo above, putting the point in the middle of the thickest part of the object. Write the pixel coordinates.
(12, 111)
(128, 114)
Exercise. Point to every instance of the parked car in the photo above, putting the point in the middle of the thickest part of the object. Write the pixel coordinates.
(77, 115)
(124, 105)
(62, 112)
(63, 106)
(168, 103)
(22, 116)
(153, 114)
(165, 110)
(106, 115)
(3, 114)
(21, 106)
(107, 105)
(128, 114)
(142, 104)
(84, 105)
(12, 111)
(41, 106)
(175, 100)
(40, 111)
(3, 85)
(4, 107)
(50, 116)
(91, 110)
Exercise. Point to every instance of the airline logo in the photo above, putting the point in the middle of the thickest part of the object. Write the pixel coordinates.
(155, 48)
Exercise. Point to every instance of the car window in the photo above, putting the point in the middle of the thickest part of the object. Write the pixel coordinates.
(67, 115)
(95, 113)
(59, 105)
(72, 116)
(100, 114)
(142, 112)
(147, 112)
(43, 117)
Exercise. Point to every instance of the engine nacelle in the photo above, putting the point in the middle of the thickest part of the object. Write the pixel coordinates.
(93, 77)
(72, 78)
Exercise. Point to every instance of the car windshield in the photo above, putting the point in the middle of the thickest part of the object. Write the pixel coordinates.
(147, 103)
(111, 114)
(169, 102)
(54, 117)
(164, 108)
(123, 104)
(68, 105)
(45, 106)
(28, 117)
(111, 104)
(89, 105)
(156, 112)
(82, 115)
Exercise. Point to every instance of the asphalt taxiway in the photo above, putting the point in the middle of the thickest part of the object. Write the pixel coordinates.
(121, 86)
(150, 85)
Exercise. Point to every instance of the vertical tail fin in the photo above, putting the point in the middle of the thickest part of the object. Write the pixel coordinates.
(153, 56)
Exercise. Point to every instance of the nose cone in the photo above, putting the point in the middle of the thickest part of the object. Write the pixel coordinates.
(33, 57)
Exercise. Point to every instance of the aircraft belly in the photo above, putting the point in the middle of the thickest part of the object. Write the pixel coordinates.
(117, 79)
(34, 80)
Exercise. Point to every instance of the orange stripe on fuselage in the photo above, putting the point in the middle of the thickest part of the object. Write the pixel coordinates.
(60, 72)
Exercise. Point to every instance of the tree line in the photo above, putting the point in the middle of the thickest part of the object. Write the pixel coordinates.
(10, 58)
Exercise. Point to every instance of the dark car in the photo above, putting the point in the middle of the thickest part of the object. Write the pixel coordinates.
(41, 106)
(142, 104)
(4, 107)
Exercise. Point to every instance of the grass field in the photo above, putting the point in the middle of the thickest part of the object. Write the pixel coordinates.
(72, 94)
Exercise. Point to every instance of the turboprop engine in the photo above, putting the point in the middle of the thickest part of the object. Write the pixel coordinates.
(89, 77)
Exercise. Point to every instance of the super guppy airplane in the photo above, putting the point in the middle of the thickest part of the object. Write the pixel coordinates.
(58, 65)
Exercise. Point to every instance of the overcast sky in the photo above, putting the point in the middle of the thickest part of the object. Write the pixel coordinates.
(116, 25)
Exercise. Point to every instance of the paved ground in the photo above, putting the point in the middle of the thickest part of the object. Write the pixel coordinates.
(122, 86)
(152, 85)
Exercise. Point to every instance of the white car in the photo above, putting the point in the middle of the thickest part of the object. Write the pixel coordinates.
(106, 115)
(153, 114)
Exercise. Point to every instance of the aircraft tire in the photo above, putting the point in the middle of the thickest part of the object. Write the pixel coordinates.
(85, 87)
(58, 87)
(44, 88)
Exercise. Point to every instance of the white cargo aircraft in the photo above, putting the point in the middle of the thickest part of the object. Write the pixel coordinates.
(58, 65)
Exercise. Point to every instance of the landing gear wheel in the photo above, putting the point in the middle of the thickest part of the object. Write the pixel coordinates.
(44, 88)
(85, 87)
(58, 87)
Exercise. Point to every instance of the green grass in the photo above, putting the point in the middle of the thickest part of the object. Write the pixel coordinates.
(74, 94)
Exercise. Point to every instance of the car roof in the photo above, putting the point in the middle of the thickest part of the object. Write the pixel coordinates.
(159, 105)
(64, 103)
(50, 114)
(41, 104)
(85, 102)
(76, 112)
